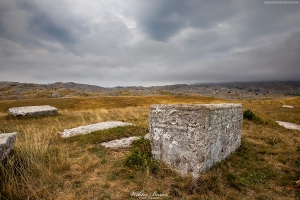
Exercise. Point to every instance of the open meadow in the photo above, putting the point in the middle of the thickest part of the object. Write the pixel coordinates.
(45, 166)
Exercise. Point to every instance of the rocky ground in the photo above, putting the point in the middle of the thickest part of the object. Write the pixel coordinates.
(234, 90)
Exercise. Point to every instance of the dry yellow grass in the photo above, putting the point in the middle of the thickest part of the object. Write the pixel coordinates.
(45, 166)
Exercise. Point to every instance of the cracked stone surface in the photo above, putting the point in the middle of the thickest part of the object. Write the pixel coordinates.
(92, 127)
(33, 110)
(289, 125)
(7, 141)
(120, 143)
(191, 138)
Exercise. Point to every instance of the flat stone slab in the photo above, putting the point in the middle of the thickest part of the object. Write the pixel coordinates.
(7, 141)
(33, 110)
(289, 125)
(92, 127)
(120, 143)
(287, 106)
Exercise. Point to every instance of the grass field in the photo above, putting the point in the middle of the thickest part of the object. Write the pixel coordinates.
(45, 166)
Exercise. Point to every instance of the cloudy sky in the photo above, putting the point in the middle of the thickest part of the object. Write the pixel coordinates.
(158, 42)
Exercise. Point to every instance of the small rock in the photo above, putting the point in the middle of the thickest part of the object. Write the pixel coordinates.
(147, 136)
(55, 95)
(7, 141)
(287, 106)
(92, 127)
(32, 110)
(120, 143)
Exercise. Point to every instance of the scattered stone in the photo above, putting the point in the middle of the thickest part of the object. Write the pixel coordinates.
(33, 110)
(289, 125)
(147, 136)
(92, 127)
(192, 138)
(287, 106)
(55, 95)
(120, 143)
(7, 141)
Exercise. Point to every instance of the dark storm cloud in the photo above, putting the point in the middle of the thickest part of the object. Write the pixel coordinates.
(165, 18)
(39, 24)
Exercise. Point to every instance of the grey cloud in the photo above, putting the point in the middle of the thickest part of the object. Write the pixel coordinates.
(32, 24)
(152, 43)
(163, 19)
(279, 61)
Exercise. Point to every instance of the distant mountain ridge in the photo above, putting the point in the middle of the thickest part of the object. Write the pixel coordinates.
(231, 90)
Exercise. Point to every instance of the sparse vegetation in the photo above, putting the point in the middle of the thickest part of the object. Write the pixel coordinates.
(248, 114)
(45, 166)
(140, 157)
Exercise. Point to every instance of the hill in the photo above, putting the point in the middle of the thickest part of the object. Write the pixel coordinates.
(233, 90)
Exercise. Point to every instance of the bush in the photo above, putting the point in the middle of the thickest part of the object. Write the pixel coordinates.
(140, 157)
(248, 114)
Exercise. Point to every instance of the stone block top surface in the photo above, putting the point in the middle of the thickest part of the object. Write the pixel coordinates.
(195, 106)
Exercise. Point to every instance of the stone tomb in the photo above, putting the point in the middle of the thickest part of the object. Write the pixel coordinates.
(192, 138)
(33, 110)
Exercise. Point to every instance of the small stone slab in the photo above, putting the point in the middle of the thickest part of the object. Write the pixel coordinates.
(7, 141)
(287, 106)
(120, 143)
(92, 127)
(289, 125)
(32, 110)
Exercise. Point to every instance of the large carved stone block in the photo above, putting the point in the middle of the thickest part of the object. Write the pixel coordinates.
(192, 138)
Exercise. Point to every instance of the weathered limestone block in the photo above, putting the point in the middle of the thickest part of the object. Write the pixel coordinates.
(7, 141)
(120, 143)
(33, 110)
(90, 128)
(192, 138)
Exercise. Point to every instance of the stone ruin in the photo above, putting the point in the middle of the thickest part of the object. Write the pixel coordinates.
(192, 138)
(7, 141)
(32, 110)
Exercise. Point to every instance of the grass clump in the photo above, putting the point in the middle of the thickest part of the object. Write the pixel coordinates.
(249, 114)
(140, 157)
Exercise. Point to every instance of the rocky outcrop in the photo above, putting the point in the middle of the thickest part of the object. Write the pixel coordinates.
(192, 138)
(32, 110)
(55, 95)
(7, 141)
(120, 143)
(90, 128)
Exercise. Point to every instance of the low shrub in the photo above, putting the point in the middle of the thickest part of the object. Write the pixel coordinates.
(249, 114)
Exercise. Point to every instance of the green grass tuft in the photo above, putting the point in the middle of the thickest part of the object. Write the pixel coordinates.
(249, 114)
(140, 157)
